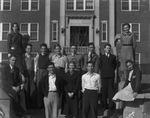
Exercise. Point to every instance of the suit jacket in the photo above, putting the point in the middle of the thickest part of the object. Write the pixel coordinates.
(72, 82)
(15, 43)
(135, 80)
(94, 59)
(107, 65)
(58, 83)
(12, 76)
(10, 79)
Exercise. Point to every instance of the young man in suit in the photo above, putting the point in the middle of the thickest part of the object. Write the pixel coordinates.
(14, 86)
(91, 56)
(107, 69)
(52, 87)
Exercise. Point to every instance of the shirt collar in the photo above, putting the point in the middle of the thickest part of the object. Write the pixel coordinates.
(11, 67)
(91, 74)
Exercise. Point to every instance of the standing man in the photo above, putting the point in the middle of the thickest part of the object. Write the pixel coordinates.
(91, 86)
(107, 69)
(41, 63)
(60, 61)
(91, 56)
(29, 75)
(52, 89)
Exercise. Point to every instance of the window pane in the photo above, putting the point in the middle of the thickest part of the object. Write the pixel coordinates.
(34, 6)
(25, 6)
(4, 35)
(89, 4)
(34, 0)
(79, 4)
(70, 4)
(54, 26)
(4, 56)
(24, 27)
(6, 6)
(125, 5)
(104, 27)
(136, 36)
(33, 27)
(135, 6)
(33, 36)
(135, 27)
(54, 35)
(5, 27)
(104, 36)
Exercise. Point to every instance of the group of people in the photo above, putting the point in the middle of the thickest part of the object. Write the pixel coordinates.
(68, 82)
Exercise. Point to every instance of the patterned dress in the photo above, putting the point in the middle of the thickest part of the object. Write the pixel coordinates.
(128, 45)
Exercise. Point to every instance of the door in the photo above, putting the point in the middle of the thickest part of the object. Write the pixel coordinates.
(79, 35)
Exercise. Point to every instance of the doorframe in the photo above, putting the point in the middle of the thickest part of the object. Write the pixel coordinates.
(79, 22)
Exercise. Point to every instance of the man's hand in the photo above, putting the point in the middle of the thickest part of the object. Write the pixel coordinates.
(17, 89)
(22, 86)
(9, 54)
(135, 94)
(70, 95)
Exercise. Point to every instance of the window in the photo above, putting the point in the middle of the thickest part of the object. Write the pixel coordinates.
(135, 28)
(29, 5)
(137, 59)
(32, 29)
(130, 5)
(54, 31)
(5, 5)
(3, 57)
(4, 30)
(80, 5)
(104, 31)
(70, 4)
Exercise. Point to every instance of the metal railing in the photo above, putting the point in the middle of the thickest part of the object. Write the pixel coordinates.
(80, 50)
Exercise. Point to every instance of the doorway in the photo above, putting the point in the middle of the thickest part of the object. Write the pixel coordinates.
(79, 35)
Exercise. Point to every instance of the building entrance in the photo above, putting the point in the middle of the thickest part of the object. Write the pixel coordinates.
(79, 35)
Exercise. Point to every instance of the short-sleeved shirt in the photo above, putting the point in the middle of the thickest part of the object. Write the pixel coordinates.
(77, 59)
(59, 60)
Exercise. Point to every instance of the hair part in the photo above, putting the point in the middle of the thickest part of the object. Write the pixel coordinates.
(12, 25)
(129, 61)
(29, 44)
(91, 43)
(43, 45)
(57, 45)
(127, 25)
(107, 44)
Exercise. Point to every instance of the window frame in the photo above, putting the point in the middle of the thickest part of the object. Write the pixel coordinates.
(53, 22)
(29, 6)
(1, 30)
(1, 58)
(130, 5)
(2, 5)
(139, 58)
(29, 30)
(75, 6)
(133, 31)
(104, 22)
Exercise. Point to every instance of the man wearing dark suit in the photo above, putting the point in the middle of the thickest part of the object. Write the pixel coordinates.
(52, 87)
(13, 85)
(107, 69)
(91, 56)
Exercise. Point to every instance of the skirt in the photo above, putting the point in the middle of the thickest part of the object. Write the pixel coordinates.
(126, 94)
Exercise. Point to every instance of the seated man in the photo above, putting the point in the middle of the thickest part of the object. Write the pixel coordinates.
(13, 85)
